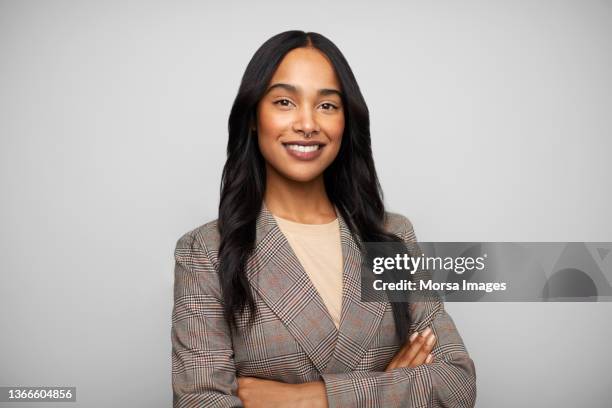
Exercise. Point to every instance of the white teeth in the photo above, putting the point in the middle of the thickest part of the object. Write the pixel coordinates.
(304, 149)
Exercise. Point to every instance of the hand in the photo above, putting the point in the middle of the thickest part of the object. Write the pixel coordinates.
(257, 393)
(415, 352)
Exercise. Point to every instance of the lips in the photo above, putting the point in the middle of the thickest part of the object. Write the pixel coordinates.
(304, 150)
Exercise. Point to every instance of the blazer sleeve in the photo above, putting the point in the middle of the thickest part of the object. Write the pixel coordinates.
(449, 381)
(203, 370)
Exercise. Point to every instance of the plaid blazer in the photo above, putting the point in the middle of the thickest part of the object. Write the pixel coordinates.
(294, 339)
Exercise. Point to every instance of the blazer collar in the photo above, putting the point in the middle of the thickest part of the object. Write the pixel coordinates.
(277, 275)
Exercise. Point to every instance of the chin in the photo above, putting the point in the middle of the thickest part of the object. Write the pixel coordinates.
(299, 172)
(303, 178)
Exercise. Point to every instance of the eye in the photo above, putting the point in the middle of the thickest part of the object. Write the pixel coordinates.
(328, 106)
(284, 102)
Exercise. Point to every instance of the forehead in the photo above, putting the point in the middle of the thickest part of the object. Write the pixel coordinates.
(306, 67)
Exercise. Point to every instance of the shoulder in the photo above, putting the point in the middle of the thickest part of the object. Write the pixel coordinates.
(399, 225)
(202, 238)
(196, 268)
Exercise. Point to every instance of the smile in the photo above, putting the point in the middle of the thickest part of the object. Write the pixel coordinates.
(300, 148)
(304, 152)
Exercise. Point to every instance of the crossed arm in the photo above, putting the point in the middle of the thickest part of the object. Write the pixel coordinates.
(203, 370)
(255, 392)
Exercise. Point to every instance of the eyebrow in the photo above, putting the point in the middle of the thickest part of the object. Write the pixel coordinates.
(295, 89)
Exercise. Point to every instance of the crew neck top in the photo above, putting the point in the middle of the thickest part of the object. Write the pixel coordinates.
(319, 250)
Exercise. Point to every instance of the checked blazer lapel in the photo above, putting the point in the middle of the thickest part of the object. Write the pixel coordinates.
(275, 272)
(359, 321)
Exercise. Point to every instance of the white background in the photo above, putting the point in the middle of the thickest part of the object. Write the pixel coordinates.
(491, 121)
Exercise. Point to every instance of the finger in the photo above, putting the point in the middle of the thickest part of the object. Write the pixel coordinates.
(399, 356)
(416, 345)
(404, 356)
(407, 344)
(425, 350)
(404, 351)
(392, 364)
(429, 359)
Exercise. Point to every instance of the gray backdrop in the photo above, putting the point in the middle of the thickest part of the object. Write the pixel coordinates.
(490, 122)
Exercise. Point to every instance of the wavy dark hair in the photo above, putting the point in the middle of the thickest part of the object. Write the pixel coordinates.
(351, 182)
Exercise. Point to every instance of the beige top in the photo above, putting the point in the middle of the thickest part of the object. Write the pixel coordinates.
(319, 250)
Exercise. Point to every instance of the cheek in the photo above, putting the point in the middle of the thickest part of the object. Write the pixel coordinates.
(334, 128)
(270, 126)
(272, 123)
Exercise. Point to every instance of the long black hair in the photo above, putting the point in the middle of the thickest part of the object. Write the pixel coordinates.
(351, 182)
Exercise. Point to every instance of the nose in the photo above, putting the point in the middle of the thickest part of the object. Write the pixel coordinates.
(306, 123)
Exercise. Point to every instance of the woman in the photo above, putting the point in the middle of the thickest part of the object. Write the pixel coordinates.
(267, 308)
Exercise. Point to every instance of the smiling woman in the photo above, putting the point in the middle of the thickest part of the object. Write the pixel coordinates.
(267, 307)
(301, 113)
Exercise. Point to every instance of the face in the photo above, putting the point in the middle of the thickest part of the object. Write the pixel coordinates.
(300, 119)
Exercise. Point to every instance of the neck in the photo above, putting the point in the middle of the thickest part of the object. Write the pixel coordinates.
(304, 202)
